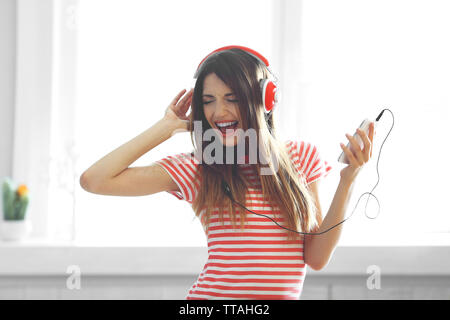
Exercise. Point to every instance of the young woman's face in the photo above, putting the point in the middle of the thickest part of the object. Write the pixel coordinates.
(221, 109)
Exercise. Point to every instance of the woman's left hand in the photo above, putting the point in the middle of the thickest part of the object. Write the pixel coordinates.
(359, 157)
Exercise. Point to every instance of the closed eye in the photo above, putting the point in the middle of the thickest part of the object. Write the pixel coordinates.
(206, 102)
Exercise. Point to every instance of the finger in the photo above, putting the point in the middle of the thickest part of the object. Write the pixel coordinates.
(178, 96)
(366, 142)
(183, 105)
(371, 131)
(351, 158)
(186, 103)
(371, 135)
(185, 99)
(356, 148)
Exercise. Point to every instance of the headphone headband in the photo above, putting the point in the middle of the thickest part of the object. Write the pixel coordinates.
(254, 53)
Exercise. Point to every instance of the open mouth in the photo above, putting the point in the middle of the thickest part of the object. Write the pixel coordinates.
(229, 125)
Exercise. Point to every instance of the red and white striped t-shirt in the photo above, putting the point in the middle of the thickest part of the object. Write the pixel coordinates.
(257, 262)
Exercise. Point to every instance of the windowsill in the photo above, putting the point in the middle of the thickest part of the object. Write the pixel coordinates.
(41, 258)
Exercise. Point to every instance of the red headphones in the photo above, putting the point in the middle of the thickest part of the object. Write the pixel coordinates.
(269, 90)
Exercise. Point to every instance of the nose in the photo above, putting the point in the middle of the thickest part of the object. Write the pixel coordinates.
(221, 109)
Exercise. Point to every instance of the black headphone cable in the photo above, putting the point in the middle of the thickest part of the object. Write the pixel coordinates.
(227, 191)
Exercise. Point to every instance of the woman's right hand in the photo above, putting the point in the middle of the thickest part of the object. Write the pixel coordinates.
(176, 111)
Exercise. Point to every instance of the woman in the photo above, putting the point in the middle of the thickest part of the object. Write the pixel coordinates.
(250, 257)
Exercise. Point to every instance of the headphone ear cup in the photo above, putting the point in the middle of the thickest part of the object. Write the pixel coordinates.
(269, 94)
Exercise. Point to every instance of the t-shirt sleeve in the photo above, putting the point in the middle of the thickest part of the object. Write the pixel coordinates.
(308, 160)
(182, 168)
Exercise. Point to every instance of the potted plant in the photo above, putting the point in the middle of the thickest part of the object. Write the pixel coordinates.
(15, 203)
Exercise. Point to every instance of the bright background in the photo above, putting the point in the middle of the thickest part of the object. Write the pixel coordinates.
(80, 78)
(353, 59)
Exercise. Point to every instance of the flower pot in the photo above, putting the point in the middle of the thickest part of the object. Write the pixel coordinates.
(13, 230)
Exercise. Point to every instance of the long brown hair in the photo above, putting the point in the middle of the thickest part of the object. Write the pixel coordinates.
(284, 188)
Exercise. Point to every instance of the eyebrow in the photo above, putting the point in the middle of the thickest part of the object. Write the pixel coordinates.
(211, 96)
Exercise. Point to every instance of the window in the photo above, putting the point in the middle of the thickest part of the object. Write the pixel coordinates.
(133, 58)
(357, 58)
(338, 63)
